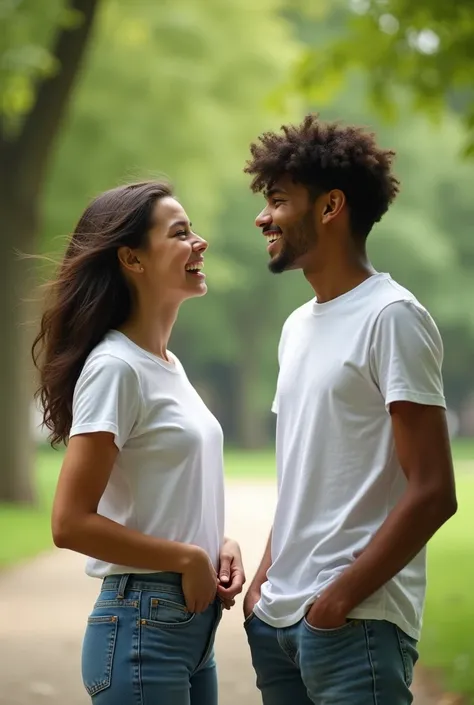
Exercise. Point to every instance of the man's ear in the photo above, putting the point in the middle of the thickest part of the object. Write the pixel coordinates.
(335, 201)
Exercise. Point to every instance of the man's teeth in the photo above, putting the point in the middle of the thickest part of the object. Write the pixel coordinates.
(272, 237)
(194, 266)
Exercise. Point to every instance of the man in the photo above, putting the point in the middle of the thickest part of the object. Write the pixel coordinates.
(365, 476)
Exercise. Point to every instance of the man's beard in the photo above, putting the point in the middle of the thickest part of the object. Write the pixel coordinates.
(296, 242)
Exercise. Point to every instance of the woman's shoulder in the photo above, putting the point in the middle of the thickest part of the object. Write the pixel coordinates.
(112, 349)
(110, 357)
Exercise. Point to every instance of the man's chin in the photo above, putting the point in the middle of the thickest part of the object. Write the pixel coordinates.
(282, 263)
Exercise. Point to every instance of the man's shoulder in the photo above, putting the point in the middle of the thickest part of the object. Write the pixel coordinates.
(403, 320)
(390, 296)
(397, 303)
(392, 290)
(301, 313)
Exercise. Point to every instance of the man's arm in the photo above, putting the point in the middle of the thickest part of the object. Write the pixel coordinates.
(423, 448)
(253, 593)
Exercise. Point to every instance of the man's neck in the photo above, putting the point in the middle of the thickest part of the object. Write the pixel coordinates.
(339, 276)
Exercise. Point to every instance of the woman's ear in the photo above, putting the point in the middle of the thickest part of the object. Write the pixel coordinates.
(129, 259)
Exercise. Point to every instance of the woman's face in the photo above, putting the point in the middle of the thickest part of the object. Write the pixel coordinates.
(169, 267)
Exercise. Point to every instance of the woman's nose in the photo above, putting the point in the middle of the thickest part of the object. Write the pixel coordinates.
(200, 245)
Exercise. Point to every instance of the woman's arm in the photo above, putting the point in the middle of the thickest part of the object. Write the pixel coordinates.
(76, 525)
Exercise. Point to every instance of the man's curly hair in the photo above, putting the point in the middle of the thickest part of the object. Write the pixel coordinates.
(324, 156)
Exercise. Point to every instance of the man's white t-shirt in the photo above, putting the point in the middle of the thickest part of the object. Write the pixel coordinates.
(342, 363)
(168, 478)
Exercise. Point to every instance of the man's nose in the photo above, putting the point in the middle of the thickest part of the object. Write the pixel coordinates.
(263, 218)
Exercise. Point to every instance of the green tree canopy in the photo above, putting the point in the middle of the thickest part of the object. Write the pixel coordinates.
(426, 46)
(174, 90)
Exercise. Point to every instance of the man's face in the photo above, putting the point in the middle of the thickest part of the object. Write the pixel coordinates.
(288, 223)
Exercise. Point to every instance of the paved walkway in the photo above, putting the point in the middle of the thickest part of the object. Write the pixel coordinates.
(44, 605)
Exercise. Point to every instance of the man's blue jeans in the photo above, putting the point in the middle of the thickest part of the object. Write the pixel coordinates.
(365, 662)
(142, 646)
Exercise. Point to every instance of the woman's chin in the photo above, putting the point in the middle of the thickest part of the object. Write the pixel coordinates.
(198, 289)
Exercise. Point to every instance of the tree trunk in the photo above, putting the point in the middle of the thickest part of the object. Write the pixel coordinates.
(16, 379)
(24, 159)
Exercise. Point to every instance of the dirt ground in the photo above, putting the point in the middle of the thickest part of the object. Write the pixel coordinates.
(44, 605)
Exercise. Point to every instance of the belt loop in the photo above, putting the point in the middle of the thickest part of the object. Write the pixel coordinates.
(122, 586)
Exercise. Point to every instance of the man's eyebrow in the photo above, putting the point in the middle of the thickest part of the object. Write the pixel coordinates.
(272, 191)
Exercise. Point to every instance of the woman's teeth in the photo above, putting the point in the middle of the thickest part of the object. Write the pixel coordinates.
(194, 266)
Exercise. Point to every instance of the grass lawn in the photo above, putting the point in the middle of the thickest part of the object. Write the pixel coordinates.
(447, 643)
(27, 531)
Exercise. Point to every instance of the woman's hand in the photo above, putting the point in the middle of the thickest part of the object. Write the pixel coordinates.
(231, 573)
(199, 581)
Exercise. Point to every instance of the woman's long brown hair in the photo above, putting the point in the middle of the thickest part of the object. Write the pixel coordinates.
(89, 295)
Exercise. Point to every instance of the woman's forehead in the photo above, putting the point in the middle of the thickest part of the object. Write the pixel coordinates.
(168, 210)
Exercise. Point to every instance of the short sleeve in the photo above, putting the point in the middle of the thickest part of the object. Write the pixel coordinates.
(407, 355)
(106, 398)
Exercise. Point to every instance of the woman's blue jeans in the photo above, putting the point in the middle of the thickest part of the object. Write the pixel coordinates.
(142, 646)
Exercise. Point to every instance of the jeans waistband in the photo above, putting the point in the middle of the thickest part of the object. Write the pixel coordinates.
(142, 581)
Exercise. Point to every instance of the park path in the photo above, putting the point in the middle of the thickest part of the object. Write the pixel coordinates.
(44, 604)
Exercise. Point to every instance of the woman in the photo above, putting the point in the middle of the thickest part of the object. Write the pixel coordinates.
(141, 487)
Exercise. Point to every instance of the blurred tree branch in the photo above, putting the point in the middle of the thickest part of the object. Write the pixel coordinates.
(426, 46)
(27, 147)
(42, 123)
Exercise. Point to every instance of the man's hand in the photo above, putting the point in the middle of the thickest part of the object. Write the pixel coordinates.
(254, 591)
(325, 613)
(231, 573)
(250, 600)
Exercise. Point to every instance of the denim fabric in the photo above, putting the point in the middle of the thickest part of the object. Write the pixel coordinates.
(142, 646)
(365, 662)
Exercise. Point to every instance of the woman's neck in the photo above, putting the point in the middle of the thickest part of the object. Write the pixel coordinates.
(151, 330)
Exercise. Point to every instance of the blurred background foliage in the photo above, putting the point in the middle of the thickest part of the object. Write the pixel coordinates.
(94, 93)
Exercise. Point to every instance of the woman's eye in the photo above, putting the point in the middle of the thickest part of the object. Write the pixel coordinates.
(181, 233)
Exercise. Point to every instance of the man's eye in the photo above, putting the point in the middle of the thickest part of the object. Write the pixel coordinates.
(180, 233)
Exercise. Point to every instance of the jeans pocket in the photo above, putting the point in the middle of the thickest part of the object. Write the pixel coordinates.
(98, 653)
(409, 654)
(168, 612)
(248, 619)
(350, 624)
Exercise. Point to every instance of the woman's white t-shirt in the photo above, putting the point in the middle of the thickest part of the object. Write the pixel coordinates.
(168, 478)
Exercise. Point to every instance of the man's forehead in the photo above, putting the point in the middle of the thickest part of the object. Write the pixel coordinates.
(282, 185)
